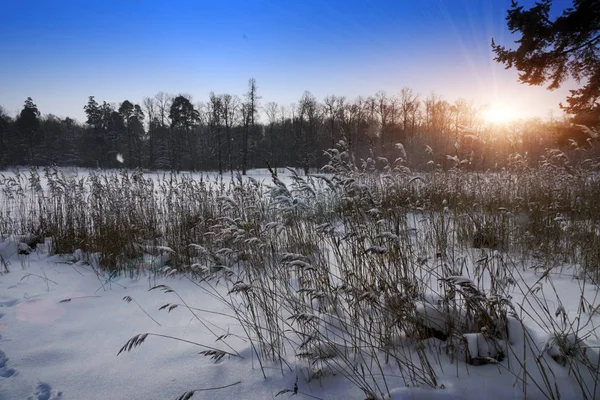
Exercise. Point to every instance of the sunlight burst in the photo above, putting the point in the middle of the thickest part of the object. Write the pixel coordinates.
(499, 114)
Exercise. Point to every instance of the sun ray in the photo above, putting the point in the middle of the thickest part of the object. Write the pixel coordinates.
(498, 115)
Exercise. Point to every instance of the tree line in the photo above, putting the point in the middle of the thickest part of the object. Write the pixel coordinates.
(228, 133)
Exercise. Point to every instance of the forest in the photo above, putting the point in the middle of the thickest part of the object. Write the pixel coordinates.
(229, 133)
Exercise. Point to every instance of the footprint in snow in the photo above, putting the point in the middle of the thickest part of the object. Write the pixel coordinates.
(5, 372)
(9, 303)
(43, 391)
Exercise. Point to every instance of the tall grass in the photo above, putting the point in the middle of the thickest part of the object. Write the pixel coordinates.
(362, 268)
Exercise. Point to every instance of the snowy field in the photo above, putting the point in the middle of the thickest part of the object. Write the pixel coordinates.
(61, 327)
(261, 175)
(64, 323)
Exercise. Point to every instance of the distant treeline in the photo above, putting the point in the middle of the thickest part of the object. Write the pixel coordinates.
(231, 133)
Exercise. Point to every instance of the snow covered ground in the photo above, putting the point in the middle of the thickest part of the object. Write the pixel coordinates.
(261, 175)
(62, 327)
(62, 324)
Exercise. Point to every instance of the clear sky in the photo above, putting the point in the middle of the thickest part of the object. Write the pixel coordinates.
(60, 52)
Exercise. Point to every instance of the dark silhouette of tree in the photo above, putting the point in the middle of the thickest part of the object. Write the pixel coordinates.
(215, 111)
(70, 143)
(151, 112)
(116, 137)
(132, 117)
(383, 110)
(333, 106)
(28, 124)
(250, 108)
(551, 50)
(135, 124)
(97, 120)
(182, 113)
(409, 105)
(53, 149)
(5, 138)
(308, 114)
(272, 109)
(230, 106)
(183, 117)
(164, 144)
(126, 111)
(93, 113)
(225, 133)
(353, 126)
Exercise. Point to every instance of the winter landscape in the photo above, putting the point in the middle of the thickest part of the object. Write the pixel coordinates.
(390, 246)
(345, 283)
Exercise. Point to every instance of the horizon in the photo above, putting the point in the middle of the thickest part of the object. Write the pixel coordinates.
(59, 55)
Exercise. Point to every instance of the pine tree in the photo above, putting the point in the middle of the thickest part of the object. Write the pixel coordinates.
(551, 50)
(28, 124)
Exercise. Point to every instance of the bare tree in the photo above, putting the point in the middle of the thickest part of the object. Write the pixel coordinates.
(215, 110)
(383, 109)
(163, 104)
(163, 147)
(429, 104)
(308, 108)
(352, 127)
(151, 111)
(330, 110)
(272, 111)
(250, 107)
(409, 104)
(229, 106)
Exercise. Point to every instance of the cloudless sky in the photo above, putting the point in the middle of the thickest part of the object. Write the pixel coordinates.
(60, 52)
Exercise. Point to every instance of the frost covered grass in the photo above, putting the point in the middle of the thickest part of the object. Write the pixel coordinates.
(393, 280)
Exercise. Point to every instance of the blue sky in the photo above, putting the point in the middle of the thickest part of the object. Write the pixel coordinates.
(61, 52)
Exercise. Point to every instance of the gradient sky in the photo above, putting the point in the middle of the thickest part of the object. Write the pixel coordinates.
(61, 52)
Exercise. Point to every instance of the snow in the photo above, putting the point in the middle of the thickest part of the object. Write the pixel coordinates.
(70, 347)
(62, 324)
(61, 327)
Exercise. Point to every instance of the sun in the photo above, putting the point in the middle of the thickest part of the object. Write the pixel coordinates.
(498, 114)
